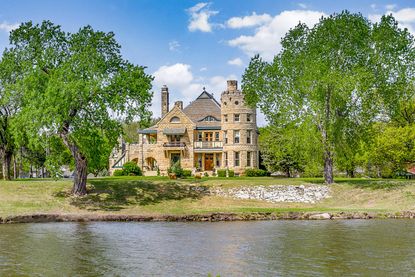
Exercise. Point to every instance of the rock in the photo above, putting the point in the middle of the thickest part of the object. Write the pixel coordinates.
(320, 216)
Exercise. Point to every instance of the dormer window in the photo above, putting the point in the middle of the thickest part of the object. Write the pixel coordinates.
(209, 118)
(175, 119)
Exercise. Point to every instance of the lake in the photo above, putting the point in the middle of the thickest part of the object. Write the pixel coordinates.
(268, 248)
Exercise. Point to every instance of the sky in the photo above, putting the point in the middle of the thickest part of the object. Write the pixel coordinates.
(188, 45)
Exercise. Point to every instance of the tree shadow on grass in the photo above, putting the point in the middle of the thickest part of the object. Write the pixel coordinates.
(376, 184)
(114, 195)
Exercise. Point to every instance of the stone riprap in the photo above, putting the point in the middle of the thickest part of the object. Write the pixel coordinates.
(276, 193)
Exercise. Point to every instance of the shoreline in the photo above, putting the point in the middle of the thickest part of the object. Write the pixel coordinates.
(211, 217)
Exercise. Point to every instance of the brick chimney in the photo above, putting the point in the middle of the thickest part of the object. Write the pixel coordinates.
(164, 100)
(232, 85)
(179, 104)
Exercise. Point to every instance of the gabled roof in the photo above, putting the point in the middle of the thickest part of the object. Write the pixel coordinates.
(204, 105)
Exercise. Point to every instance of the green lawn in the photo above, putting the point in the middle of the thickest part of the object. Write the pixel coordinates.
(159, 195)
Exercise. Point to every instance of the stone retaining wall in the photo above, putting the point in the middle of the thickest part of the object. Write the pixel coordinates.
(276, 193)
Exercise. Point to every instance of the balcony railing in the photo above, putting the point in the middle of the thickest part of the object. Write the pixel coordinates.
(174, 144)
(207, 144)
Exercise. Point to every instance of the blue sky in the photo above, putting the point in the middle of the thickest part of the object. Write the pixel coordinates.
(188, 45)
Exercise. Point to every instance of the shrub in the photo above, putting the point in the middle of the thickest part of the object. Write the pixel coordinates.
(253, 172)
(131, 169)
(118, 172)
(187, 173)
(206, 174)
(176, 168)
(231, 173)
(221, 172)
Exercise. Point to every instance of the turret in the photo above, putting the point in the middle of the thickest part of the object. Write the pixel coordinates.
(239, 129)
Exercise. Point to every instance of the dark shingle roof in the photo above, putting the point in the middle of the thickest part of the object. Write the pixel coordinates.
(203, 106)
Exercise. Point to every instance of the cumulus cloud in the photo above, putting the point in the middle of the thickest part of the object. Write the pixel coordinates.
(199, 17)
(7, 27)
(183, 85)
(405, 17)
(266, 40)
(236, 61)
(390, 7)
(248, 21)
(174, 46)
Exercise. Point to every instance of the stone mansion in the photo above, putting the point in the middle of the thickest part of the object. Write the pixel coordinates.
(203, 136)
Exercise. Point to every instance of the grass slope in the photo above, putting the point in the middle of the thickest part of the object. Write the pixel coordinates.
(159, 195)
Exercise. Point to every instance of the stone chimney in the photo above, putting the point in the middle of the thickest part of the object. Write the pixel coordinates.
(179, 104)
(164, 100)
(232, 85)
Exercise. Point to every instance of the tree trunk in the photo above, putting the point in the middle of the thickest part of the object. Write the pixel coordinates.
(6, 162)
(328, 167)
(328, 154)
(14, 167)
(80, 175)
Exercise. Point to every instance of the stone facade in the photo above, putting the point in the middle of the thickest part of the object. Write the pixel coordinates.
(204, 136)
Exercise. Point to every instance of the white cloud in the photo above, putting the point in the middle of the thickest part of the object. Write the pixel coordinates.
(302, 5)
(248, 21)
(203, 69)
(174, 46)
(183, 85)
(266, 40)
(405, 17)
(236, 61)
(199, 17)
(373, 6)
(390, 7)
(7, 27)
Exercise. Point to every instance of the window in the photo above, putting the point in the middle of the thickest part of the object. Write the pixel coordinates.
(226, 158)
(248, 136)
(209, 118)
(225, 117)
(236, 136)
(248, 158)
(248, 117)
(216, 136)
(236, 158)
(236, 102)
(199, 136)
(225, 136)
(175, 119)
(236, 117)
(217, 160)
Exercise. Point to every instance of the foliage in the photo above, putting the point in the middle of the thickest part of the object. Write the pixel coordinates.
(131, 169)
(231, 173)
(340, 76)
(77, 86)
(186, 173)
(118, 172)
(253, 172)
(221, 172)
(176, 168)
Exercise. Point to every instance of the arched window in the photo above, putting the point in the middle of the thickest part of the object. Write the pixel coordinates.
(209, 118)
(175, 119)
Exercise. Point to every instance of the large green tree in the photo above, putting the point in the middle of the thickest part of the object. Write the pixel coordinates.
(341, 75)
(77, 86)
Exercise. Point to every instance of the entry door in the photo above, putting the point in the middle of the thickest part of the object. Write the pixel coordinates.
(208, 162)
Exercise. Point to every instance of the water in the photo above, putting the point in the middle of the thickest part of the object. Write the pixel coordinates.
(271, 248)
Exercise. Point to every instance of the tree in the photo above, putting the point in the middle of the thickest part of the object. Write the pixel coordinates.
(9, 107)
(341, 75)
(79, 88)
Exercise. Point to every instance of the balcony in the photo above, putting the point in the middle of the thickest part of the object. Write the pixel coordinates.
(208, 145)
(175, 144)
